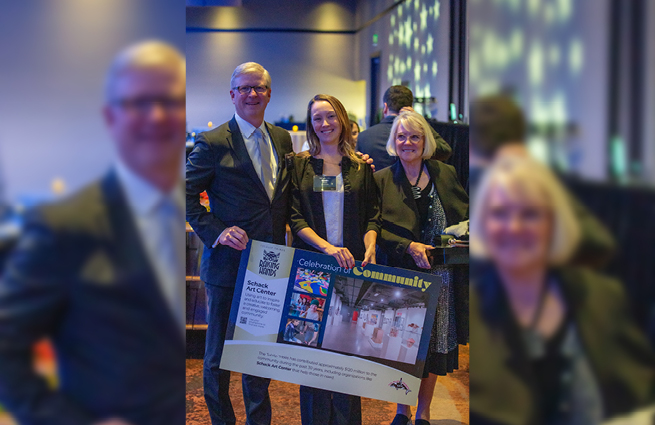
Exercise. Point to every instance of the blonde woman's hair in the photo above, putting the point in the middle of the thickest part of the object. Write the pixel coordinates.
(525, 177)
(415, 122)
(346, 142)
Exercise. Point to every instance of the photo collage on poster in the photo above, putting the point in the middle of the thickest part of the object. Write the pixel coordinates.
(305, 312)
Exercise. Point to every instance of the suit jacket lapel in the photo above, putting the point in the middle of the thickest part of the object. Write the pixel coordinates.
(507, 355)
(278, 149)
(127, 248)
(400, 179)
(442, 190)
(280, 158)
(239, 148)
(445, 187)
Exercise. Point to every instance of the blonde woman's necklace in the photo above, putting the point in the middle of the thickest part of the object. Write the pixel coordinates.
(416, 190)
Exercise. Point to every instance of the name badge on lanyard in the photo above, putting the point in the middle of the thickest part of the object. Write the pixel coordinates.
(325, 183)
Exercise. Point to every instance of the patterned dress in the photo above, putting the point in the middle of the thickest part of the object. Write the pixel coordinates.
(443, 351)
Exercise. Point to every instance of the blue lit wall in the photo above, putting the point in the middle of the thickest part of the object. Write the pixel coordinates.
(552, 55)
(413, 46)
(55, 56)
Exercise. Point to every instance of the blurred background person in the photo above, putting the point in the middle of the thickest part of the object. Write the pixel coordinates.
(420, 197)
(334, 221)
(553, 343)
(100, 272)
(354, 132)
(497, 126)
(373, 141)
(498, 130)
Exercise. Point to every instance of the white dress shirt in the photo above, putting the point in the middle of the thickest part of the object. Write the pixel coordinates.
(163, 240)
(333, 211)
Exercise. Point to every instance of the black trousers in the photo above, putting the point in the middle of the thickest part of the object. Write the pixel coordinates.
(217, 381)
(321, 407)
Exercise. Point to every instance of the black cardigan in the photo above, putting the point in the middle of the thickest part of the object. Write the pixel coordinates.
(399, 214)
(502, 390)
(360, 203)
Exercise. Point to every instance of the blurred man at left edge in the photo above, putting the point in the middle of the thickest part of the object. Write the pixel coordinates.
(101, 273)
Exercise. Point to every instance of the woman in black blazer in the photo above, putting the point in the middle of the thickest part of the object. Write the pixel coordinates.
(335, 211)
(552, 343)
(419, 199)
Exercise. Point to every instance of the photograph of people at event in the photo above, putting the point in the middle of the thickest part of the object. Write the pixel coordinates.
(374, 319)
(306, 307)
(301, 332)
(312, 282)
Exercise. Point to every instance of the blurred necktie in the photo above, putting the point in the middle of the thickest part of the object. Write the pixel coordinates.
(265, 159)
(171, 253)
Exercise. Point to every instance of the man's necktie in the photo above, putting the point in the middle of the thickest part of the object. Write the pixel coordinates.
(170, 245)
(265, 160)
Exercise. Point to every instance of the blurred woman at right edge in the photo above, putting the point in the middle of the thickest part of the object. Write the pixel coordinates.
(550, 343)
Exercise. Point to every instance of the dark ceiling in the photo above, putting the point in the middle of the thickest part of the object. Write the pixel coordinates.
(368, 295)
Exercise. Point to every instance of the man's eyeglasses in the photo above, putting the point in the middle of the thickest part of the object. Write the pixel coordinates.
(415, 138)
(248, 89)
(143, 105)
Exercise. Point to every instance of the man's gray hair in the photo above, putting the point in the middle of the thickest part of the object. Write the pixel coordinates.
(250, 68)
(142, 55)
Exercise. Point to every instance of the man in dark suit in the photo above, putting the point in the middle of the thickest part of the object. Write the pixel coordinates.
(241, 165)
(100, 274)
(374, 140)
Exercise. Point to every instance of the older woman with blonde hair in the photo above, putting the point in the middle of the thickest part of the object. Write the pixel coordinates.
(553, 344)
(420, 197)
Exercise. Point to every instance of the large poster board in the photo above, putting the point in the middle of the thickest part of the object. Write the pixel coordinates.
(298, 317)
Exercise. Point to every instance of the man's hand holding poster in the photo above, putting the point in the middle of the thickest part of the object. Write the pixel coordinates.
(298, 317)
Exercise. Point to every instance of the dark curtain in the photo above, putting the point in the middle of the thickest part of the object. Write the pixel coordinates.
(628, 214)
(457, 136)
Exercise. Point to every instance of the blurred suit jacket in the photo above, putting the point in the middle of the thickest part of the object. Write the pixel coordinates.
(503, 390)
(80, 276)
(220, 164)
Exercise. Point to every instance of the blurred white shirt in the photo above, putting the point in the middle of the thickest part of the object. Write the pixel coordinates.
(163, 239)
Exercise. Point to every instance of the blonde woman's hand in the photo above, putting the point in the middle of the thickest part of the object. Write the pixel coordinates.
(367, 159)
(418, 251)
